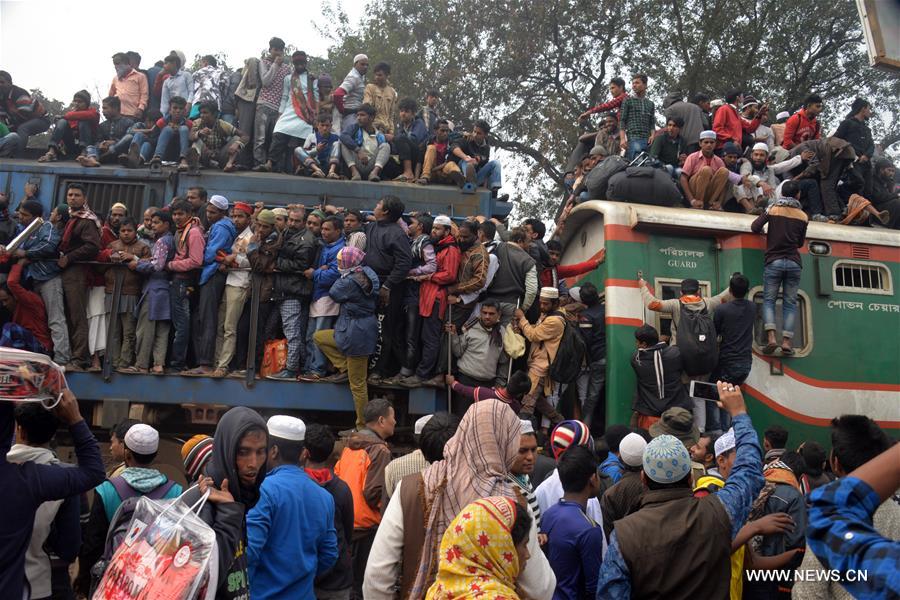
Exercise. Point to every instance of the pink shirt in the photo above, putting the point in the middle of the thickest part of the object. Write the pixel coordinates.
(697, 161)
(132, 92)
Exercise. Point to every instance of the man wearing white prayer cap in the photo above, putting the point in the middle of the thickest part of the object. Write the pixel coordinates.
(544, 336)
(290, 530)
(431, 433)
(139, 478)
(348, 97)
(761, 177)
(624, 497)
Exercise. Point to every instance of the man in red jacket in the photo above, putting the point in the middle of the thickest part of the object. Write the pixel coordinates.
(728, 123)
(433, 301)
(27, 310)
(75, 131)
(554, 272)
(803, 125)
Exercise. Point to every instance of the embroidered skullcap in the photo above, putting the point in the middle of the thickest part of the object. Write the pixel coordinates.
(761, 146)
(359, 57)
(550, 293)
(666, 460)
(266, 216)
(708, 135)
(725, 443)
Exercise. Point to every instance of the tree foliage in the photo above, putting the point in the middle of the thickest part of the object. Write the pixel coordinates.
(530, 68)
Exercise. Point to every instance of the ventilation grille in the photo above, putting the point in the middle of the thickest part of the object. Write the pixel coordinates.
(858, 251)
(102, 195)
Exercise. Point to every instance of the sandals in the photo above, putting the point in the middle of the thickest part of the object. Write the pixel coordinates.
(787, 351)
(333, 175)
(219, 373)
(50, 156)
(401, 179)
(422, 181)
(132, 371)
(770, 349)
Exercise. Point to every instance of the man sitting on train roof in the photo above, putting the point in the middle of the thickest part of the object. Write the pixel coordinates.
(215, 142)
(704, 176)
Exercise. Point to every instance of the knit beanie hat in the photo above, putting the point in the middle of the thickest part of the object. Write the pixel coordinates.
(570, 433)
(195, 453)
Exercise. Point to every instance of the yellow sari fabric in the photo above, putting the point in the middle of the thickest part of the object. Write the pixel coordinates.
(477, 555)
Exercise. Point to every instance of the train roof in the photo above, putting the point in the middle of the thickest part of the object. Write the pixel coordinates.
(649, 218)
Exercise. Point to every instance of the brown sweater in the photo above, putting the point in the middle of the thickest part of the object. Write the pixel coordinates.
(787, 230)
(133, 282)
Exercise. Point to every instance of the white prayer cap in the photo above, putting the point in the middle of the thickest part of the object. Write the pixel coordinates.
(420, 424)
(575, 293)
(142, 439)
(550, 293)
(631, 449)
(725, 443)
(220, 202)
(761, 146)
(443, 221)
(359, 57)
(286, 428)
(527, 426)
(709, 134)
(782, 115)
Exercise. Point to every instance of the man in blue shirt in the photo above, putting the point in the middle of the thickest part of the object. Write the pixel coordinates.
(574, 542)
(659, 550)
(290, 532)
(612, 466)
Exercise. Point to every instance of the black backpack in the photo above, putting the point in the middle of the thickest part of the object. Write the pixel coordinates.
(570, 356)
(120, 524)
(697, 341)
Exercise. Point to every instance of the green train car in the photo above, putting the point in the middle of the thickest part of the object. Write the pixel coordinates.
(847, 341)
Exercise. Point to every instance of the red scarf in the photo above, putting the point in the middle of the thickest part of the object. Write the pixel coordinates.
(305, 107)
(320, 476)
(83, 213)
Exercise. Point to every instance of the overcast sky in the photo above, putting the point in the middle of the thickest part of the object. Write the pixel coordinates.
(60, 48)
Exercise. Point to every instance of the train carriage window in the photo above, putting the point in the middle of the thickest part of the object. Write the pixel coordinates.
(668, 289)
(862, 277)
(802, 342)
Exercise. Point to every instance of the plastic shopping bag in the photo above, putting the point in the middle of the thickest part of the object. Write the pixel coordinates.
(164, 556)
(30, 377)
(274, 357)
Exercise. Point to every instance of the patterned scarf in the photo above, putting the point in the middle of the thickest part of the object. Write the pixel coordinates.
(476, 464)
(183, 233)
(775, 472)
(478, 557)
(82, 213)
(304, 105)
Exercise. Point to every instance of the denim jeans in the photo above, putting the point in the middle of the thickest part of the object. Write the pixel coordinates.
(9, 145)
(635, 147)
(166, 135)
(181, 321)
(143, 142)
(116, 149)
(489, 172)
(63, 135)
(25, 131)
(782, 272)
(674, 172)
(316, 361)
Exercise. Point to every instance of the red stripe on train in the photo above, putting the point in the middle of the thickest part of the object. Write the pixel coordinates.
(800, 417)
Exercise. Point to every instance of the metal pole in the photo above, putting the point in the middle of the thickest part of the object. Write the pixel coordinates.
(255, 287)
(449, 358)
(112, 325)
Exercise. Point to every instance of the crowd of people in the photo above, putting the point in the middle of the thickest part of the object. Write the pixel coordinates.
(512, 493)
(485, 507)
(728, 154)
(270, 115)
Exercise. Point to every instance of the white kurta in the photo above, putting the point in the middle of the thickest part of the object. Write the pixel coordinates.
(289, 123)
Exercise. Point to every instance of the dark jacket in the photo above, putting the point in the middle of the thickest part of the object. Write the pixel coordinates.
(42, 249)
(340, 576)
(787, 230)
(229, 520)
(592, 325)
(83, 242)
(388, 252)
(297, 254)
(416, 132)
(508, 284)
(467, 144)
(658, 370)
(262, 259)
(356, 329)
(858, 134)
(33, 484)
(666, 150)
(114, 129)
(133, 281)
(622, 499)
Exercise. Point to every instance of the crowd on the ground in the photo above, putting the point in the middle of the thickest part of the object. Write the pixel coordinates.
(270, 115)
(728, 154)
(486, 506)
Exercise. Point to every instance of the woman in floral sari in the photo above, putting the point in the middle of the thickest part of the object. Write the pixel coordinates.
(483, 551)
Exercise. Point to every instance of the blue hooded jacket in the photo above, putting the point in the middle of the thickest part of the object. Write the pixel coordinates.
(356, 330)
(324, 278)
(221, 236)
